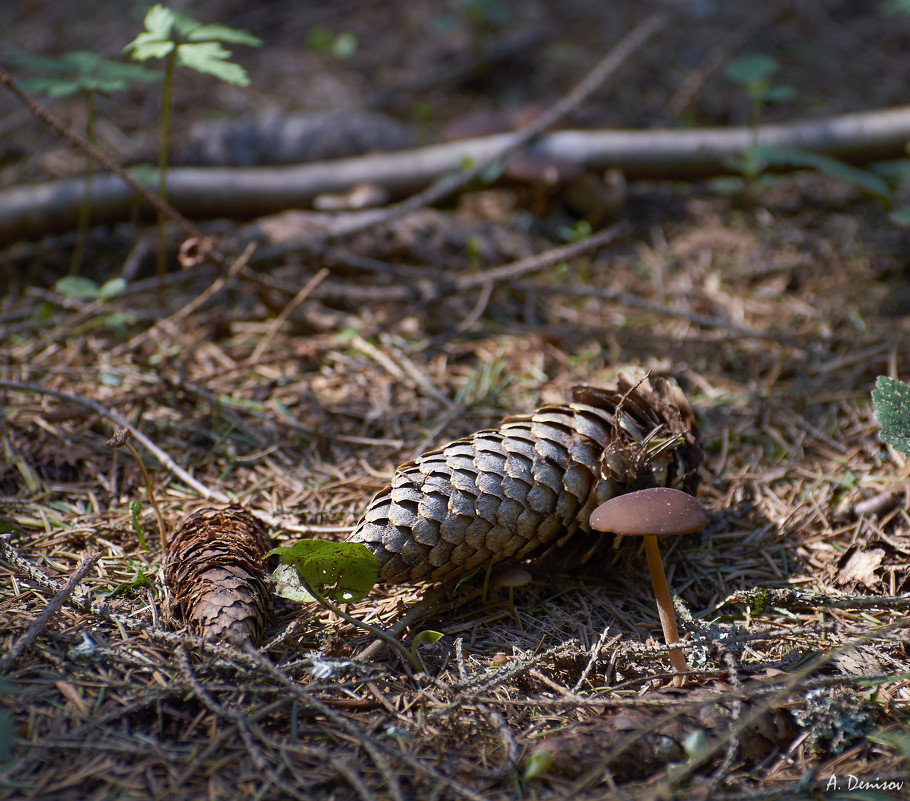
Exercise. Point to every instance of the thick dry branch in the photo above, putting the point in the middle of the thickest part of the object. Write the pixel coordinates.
(39, 209)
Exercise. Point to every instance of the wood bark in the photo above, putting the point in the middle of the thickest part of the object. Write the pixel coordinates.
(36, 210)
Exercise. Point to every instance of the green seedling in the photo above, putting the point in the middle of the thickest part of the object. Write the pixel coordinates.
(121, 439)
(578, 230)
(139, 579)
(181, 41)
(754, 73)
(342, 46)
(135, 511)
(76, 287)
(81, 72)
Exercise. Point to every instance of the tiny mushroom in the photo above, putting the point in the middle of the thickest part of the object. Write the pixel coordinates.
(512, 577)
(653, 513)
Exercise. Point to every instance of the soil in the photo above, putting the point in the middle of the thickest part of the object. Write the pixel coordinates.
(774, 304)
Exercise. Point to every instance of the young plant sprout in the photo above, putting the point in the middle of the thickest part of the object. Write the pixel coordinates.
(653, 513)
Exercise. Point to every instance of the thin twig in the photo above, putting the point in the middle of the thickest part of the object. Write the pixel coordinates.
(161, 206)
(121, 422)
(635, 302)
(238, 265)
(517, 269)
(384, 636)
(524, 136)
(53, 606)
(286, 312)
(595, 652)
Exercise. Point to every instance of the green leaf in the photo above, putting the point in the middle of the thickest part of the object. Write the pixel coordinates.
(52, 87)
(427, 637)
(159, 21)
(900, 216)
(751, 70)
(222, 33)
(211, 58)
(286, 584)
(319, 39)
(892, 411)
(76, 287)
(537, 764)
(156, 40)
(695, 743)
(81, 70)
(794, 157)
(344, 46)
(112, 287)
(118, 321)
(138, 580)
(343, 571)
(143, 51)
(778, 94)
(890, 7)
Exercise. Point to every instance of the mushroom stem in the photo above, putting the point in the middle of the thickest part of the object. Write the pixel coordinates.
(665, 608)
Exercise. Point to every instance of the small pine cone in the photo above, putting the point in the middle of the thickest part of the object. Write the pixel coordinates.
(534, 481)
(214, 569)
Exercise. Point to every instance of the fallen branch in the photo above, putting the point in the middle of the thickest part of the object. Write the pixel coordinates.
(243, 192)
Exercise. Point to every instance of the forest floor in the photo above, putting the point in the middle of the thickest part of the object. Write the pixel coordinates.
(775, 306)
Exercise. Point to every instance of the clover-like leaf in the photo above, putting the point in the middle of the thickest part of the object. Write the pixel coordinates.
(80, 70)
(143, 51)
(155, 41)
(212, 59)
(751, 70)
(111, 288)
(892, 411)
(76, 287)
(343, 571)
(197, 45)
(222, 33)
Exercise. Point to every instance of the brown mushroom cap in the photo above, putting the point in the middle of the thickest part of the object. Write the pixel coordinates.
(658, 512)
(513, 577)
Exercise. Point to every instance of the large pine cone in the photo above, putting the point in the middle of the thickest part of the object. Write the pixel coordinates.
(507, 492)
(214, 568)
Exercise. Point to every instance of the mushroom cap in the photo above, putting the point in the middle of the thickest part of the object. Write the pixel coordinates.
(659, 512)
(513, 577)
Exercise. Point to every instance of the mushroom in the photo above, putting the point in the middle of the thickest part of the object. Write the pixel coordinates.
(653, 513)
(512, 577)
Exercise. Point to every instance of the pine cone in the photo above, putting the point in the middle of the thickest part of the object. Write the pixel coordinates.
(507, 492)
(214, 568)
